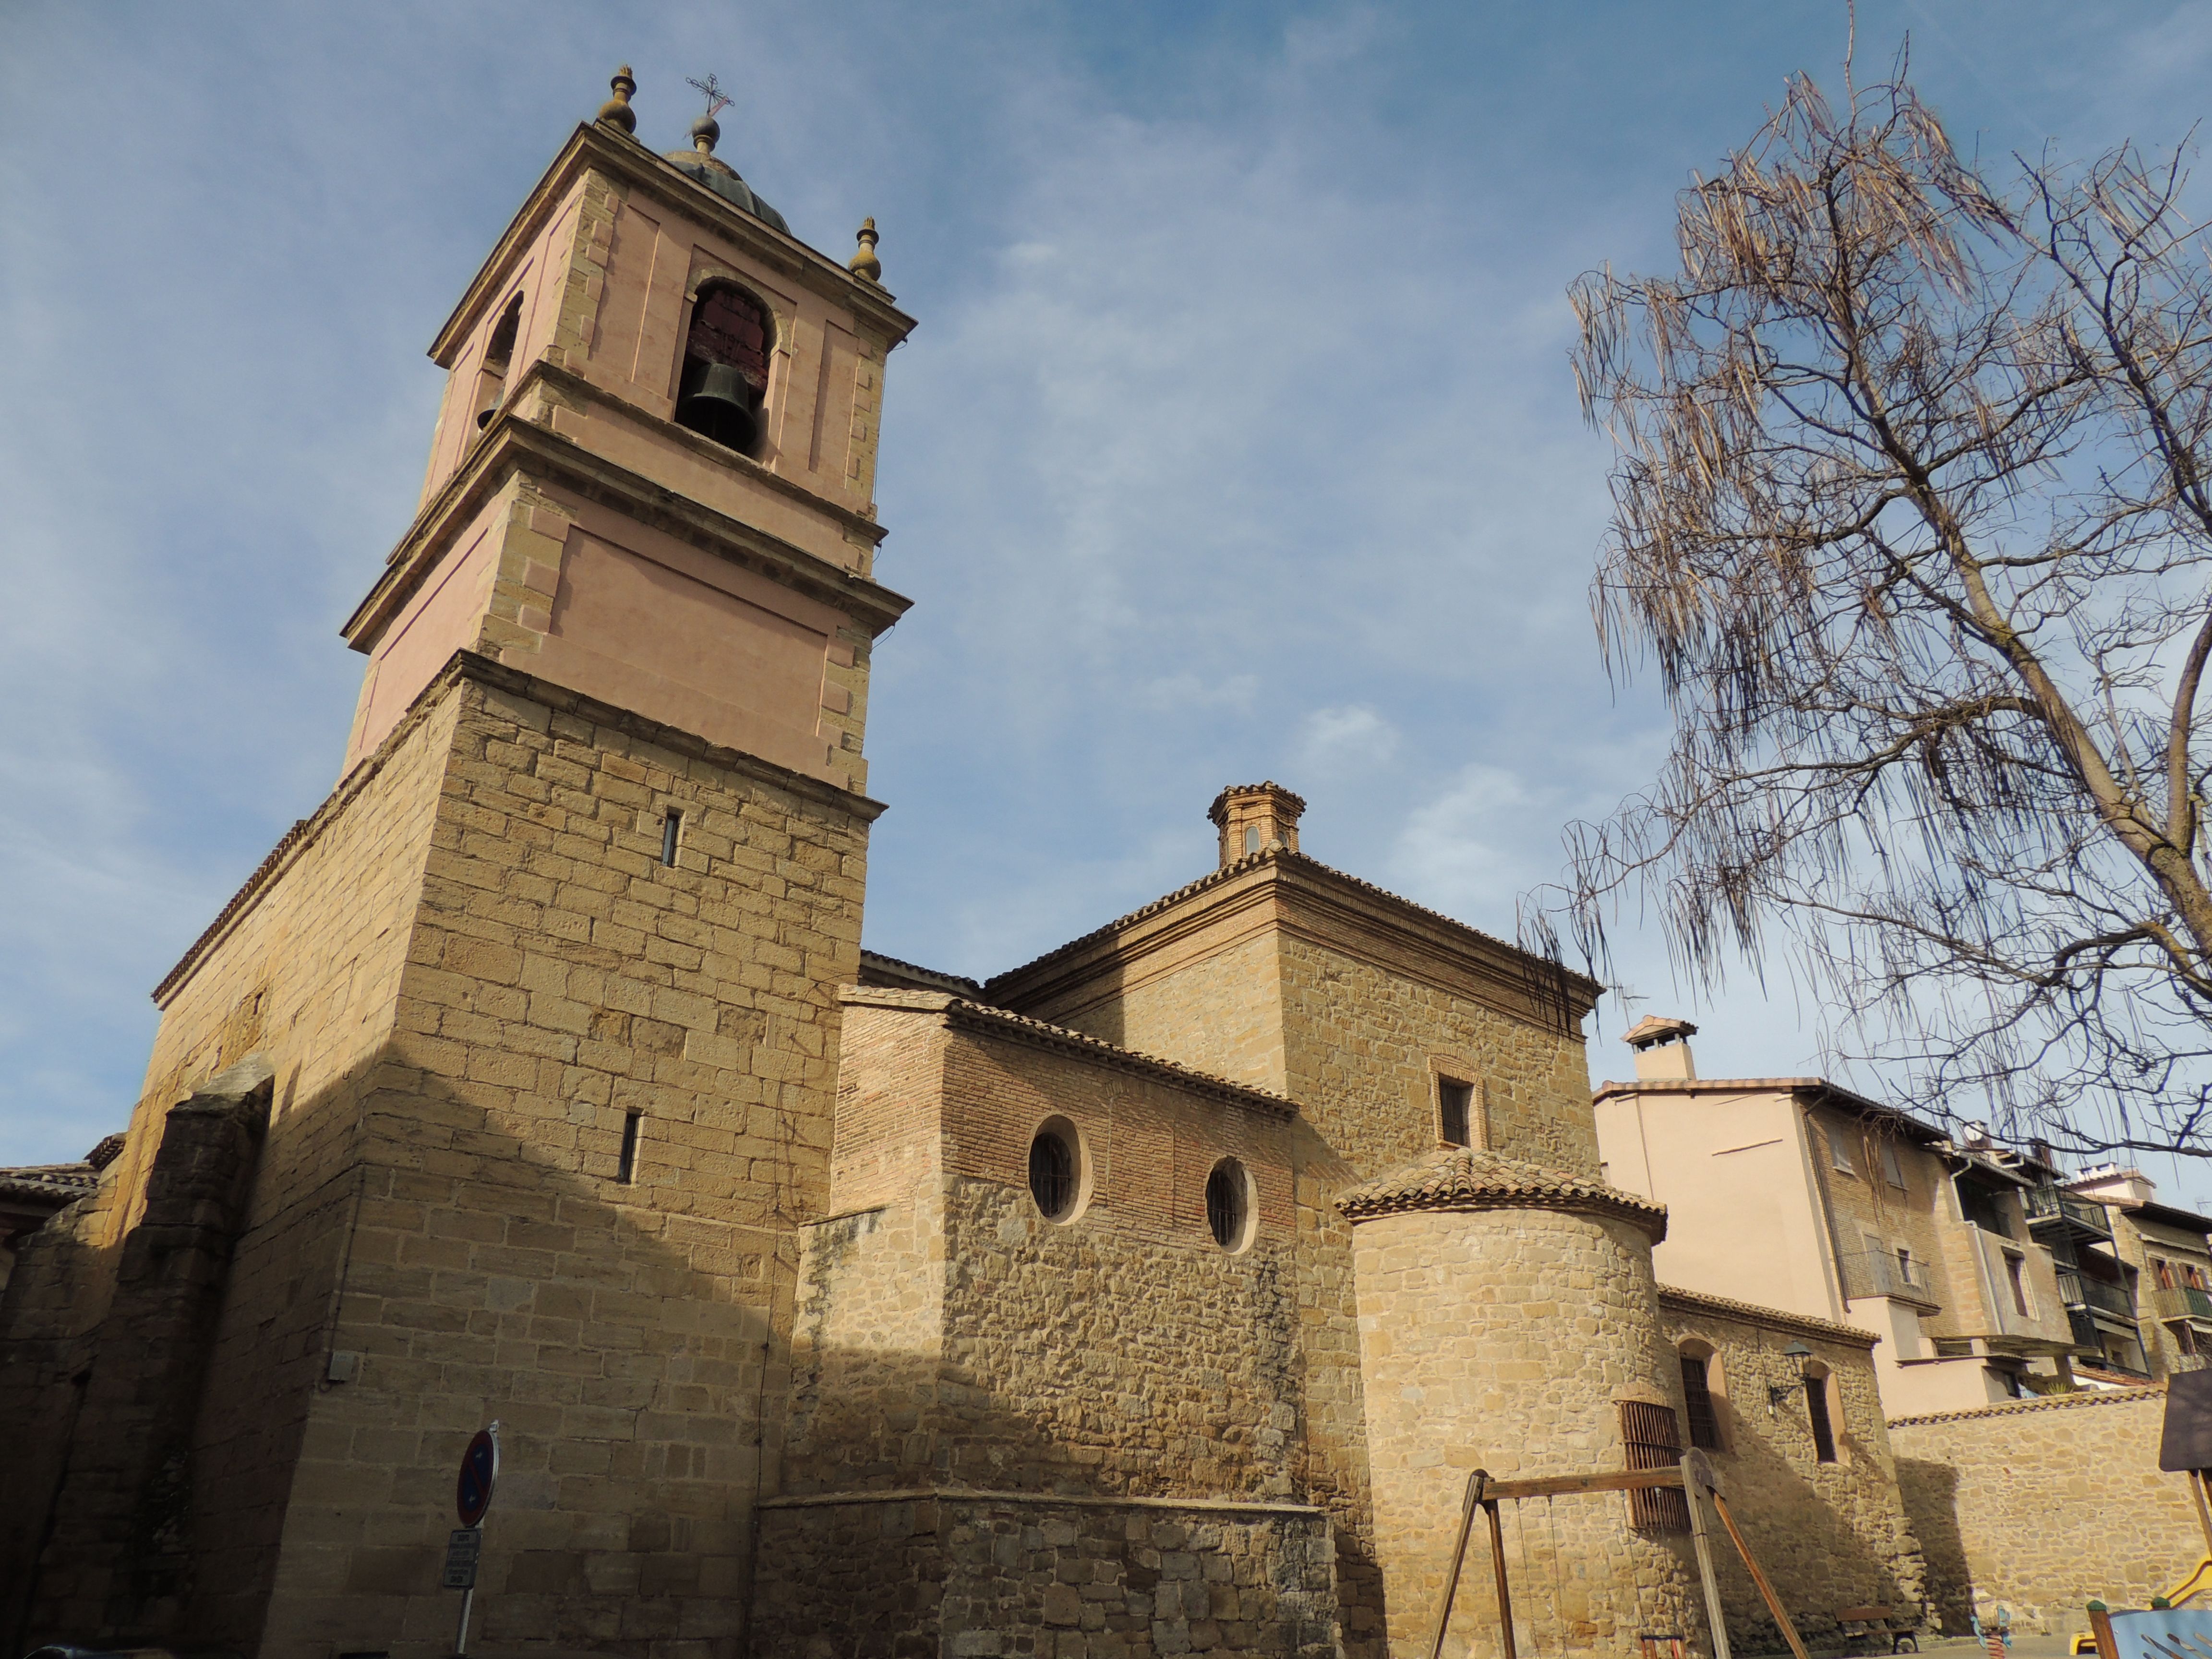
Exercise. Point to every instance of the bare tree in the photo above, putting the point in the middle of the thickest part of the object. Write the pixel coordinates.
(1913, 513)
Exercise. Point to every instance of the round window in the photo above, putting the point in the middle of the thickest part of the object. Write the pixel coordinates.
(1229, 1204)
(1053, 1171)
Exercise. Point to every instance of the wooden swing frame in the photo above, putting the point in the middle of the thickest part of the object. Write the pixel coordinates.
(1693, 1475)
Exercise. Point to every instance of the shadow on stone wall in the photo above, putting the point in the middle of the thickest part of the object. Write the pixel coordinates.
(1930, 1491)
(1817, 1560)
(624, 1349)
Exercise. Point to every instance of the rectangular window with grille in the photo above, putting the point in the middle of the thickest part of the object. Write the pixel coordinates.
(1455, 1111)
(1653, 1440)
(1697, 1396)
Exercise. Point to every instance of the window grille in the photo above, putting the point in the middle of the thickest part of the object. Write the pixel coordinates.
(1052, 1175)
(1455, 1103)
(1653, 1440)
(1225, 1203)
(1697, 1396)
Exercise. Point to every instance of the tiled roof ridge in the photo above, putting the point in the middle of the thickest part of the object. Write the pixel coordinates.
(974, 987)
(1781, 1318)
(1060, 1036)
(2049, 1402)
(1462, 1177)
(1250, 861)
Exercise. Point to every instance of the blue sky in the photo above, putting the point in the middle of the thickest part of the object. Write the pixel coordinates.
(1236, 440)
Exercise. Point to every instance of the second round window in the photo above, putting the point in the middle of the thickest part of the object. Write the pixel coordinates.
(1053, 1173)
(1228, 1205)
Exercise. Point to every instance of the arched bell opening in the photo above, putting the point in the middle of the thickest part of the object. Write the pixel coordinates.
(724, 367)
(499, 355)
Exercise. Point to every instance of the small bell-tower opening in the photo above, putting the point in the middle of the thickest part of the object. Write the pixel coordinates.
(499, 354)
(1255, 817)
(725, 366)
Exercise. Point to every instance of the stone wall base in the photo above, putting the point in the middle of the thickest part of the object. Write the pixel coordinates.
(931, 1571)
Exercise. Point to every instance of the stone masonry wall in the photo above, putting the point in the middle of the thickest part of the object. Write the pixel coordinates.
(2040, 1506)
(1829, 1535)
(933, 1572)
(1362, 1045)
(1121, 1350)
(304, 971)
(1506, 1340)
(1218, 1009)
(630, 1336)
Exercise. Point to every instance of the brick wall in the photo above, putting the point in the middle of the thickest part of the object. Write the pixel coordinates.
(2040, 1506)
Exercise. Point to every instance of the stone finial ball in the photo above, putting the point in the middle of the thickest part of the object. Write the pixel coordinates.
(707, 128)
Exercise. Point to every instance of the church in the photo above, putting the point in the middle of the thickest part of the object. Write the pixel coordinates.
(1157, 1296)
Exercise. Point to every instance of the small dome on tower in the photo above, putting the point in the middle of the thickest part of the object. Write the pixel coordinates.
(700, 162)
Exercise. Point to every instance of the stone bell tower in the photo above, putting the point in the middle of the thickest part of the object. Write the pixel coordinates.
(540, 1002)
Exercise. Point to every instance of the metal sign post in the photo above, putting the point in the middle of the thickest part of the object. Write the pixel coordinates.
(464, 1547)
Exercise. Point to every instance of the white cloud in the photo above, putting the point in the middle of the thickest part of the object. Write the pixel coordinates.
(1352, 738)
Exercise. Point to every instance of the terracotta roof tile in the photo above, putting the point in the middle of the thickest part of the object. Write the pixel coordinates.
(1463, 1178)
(962, 1011)
(1228, 872)
(56, 1184)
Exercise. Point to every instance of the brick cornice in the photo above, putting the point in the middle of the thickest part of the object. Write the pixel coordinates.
(959, 1014)
(1309, 900)
(595, 146)
(511, 446)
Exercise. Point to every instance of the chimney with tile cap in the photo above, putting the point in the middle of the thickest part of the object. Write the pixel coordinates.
(1663, 1049)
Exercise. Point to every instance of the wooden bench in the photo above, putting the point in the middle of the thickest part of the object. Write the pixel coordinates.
(1899, 1627)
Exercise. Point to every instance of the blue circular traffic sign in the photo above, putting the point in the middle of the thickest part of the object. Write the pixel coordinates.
(479, 1471)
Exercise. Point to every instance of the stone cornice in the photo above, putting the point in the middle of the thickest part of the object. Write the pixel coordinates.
(595, 145)
(1324, 906)
(510, 445)
(1773, 1319)
(468, 665)
(960, 1014)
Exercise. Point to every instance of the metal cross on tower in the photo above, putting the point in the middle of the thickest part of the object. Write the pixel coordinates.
(717, 99)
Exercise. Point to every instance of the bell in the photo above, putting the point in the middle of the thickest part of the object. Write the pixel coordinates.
(716, 399)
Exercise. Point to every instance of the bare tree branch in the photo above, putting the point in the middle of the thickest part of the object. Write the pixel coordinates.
(1912, 515)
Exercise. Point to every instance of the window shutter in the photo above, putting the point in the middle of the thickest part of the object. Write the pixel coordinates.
(1653, 1440)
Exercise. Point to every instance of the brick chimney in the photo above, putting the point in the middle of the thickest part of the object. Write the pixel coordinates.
(1255, 816)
